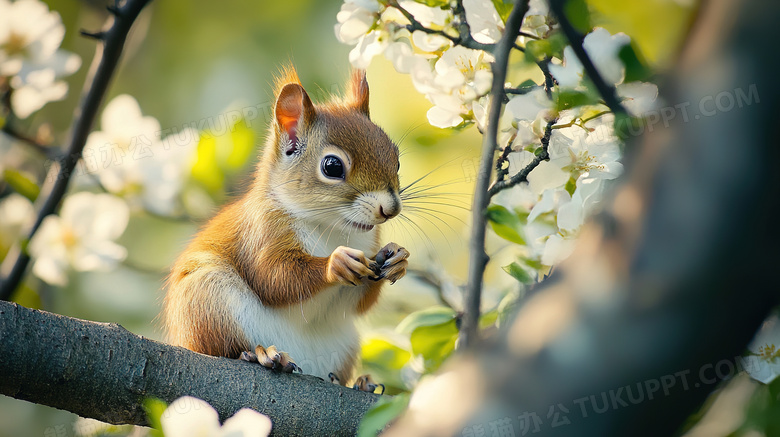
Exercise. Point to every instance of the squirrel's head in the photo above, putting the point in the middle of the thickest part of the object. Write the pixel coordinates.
(331, 164)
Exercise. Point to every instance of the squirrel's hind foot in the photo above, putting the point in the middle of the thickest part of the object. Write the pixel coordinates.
(272, 359)
(365, 383)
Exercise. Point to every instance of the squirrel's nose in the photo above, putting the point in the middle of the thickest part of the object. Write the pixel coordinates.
(387, 215)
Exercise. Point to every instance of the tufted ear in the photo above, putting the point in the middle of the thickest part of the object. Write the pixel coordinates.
(294, 112)
(357, 91)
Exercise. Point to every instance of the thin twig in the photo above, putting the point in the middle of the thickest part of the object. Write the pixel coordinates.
(28, 140)
(580, 122)
(477, 257)
(520, 90)
(104, 64)
(436, 281)
(576, 39)
(464, 37)
(522, 175)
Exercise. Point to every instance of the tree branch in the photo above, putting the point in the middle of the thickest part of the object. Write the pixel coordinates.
(477, 256)
(105, 372)
(576, 39)
(32, 142)
(104, 64)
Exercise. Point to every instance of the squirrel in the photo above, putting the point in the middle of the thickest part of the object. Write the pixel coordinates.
(279, 275)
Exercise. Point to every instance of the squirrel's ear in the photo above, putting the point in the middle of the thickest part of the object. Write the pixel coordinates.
(357, 94)
(293, 112)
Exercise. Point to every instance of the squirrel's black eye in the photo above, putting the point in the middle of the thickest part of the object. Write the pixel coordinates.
(332, 167)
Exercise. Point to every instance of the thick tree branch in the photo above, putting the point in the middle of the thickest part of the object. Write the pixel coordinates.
(105, 372)
(576, 39)
(477, 256)
(104, 64)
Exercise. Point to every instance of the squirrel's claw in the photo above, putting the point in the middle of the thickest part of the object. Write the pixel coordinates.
(271, 358)
(391, 262)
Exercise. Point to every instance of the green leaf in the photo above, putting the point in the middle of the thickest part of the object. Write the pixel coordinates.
(384, 360)
(535, 264)
(434, 3)
(519, 273)
(505, 224)
(430, 316)
(571, 185)
(578, 14)
(242, 145)
(507, 306)
(381, 414)
(435, 343)
(487, 319)
(567, 99)
(558, 42)
(21, 183)
(381, 351)
(636, 68)
(205, 170)
(538, 49)
(154, 409)
(503, 8)
(626, 126)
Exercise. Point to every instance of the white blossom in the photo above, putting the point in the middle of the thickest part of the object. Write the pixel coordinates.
(131, 160)
(15, 212)
(532, 106)
(602, 48)
(485, 23)
(82, 237)
(765, 360)
(355, 19)
(192, 417)
(638, 97)
(458, 78)
(30, 36)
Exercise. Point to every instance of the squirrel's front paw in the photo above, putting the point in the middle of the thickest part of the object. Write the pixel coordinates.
(272, 359)
(390, 263)
(347, 266)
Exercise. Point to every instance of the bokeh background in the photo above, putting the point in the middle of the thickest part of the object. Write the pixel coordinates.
(186, 62)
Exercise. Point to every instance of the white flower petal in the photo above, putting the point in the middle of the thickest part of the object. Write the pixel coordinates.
(638, 97)
(51, 271)
(246, 422)
(369, 45)
(529, 106)
(429, 42)
(190, 417)
(485, 23)
(97, 255)
(545, 176)
(431, 17)
(439, 117)
(556, 250)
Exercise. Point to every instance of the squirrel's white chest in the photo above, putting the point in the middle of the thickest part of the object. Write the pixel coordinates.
(319, 333)
(321, 239)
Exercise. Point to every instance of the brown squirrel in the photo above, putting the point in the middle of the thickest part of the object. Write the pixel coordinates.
(286, 267)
